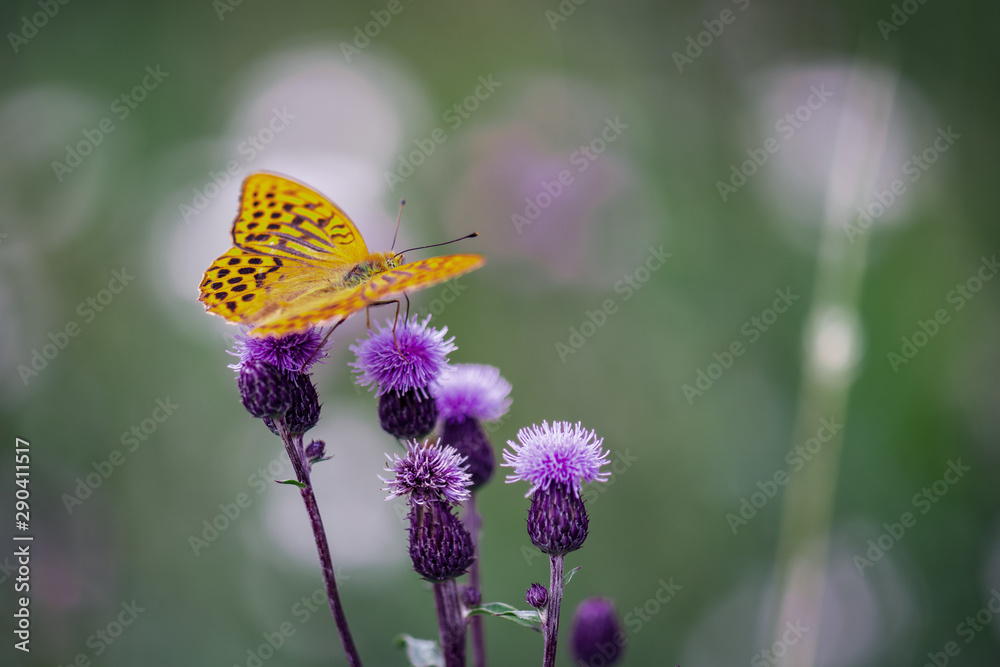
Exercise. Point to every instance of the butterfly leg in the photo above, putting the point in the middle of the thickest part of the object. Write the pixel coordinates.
(321, 345)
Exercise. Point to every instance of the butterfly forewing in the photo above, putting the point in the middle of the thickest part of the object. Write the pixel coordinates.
(282, 218)
(312, 311)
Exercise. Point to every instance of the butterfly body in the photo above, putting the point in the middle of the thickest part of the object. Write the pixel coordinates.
(298, 261)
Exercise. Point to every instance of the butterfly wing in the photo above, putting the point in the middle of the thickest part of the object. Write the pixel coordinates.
(283, 218)
(322, 307)
(288, 240)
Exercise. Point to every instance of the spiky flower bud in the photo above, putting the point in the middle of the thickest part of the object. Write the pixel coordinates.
(469, 438)
(264, 389)
(304, 411)
(471, 597)
(440, 546)
(407, 416)
(557, 520)
(315, 451)
(536, 595)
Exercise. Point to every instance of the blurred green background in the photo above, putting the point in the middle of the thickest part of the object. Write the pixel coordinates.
(739, 137)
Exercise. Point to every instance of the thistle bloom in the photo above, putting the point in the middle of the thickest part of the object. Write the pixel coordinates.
(401, 366)
(434, 480)
(556, 460)
(466, 396)
(291, 352)
(428, 473)
(272, 382)
(596, 636)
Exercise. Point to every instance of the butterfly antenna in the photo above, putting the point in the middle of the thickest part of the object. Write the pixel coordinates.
(399, 218)
(435, 245)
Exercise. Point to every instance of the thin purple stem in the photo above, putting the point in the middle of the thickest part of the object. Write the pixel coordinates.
(450, 623)
(473, 523)
(552, 611)
(293, 445)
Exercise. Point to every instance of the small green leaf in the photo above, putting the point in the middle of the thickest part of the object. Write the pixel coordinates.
(420, 652)
(569, 575)
(292, 482)
(528, 618)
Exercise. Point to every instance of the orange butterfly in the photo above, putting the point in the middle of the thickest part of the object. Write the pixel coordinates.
(298, 261)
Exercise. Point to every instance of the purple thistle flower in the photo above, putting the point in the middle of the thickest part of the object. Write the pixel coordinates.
(472, 391)
(562, 454)
(421, 357)
(288, 353)
(428, 473)
(536, 595)
(596, 636)
(467, 395)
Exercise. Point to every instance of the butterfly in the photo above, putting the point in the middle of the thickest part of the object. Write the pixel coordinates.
(298, 261)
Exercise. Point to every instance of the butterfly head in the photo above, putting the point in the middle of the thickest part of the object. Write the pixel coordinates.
(376, 264)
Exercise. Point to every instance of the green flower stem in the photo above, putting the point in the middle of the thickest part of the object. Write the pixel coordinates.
(474, 522)
(451, 625)
(551, 627)
(293, 445)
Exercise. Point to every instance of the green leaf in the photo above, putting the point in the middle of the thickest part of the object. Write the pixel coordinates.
(528, 618)
(569, 575)
(292, 482)
(421, 652)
